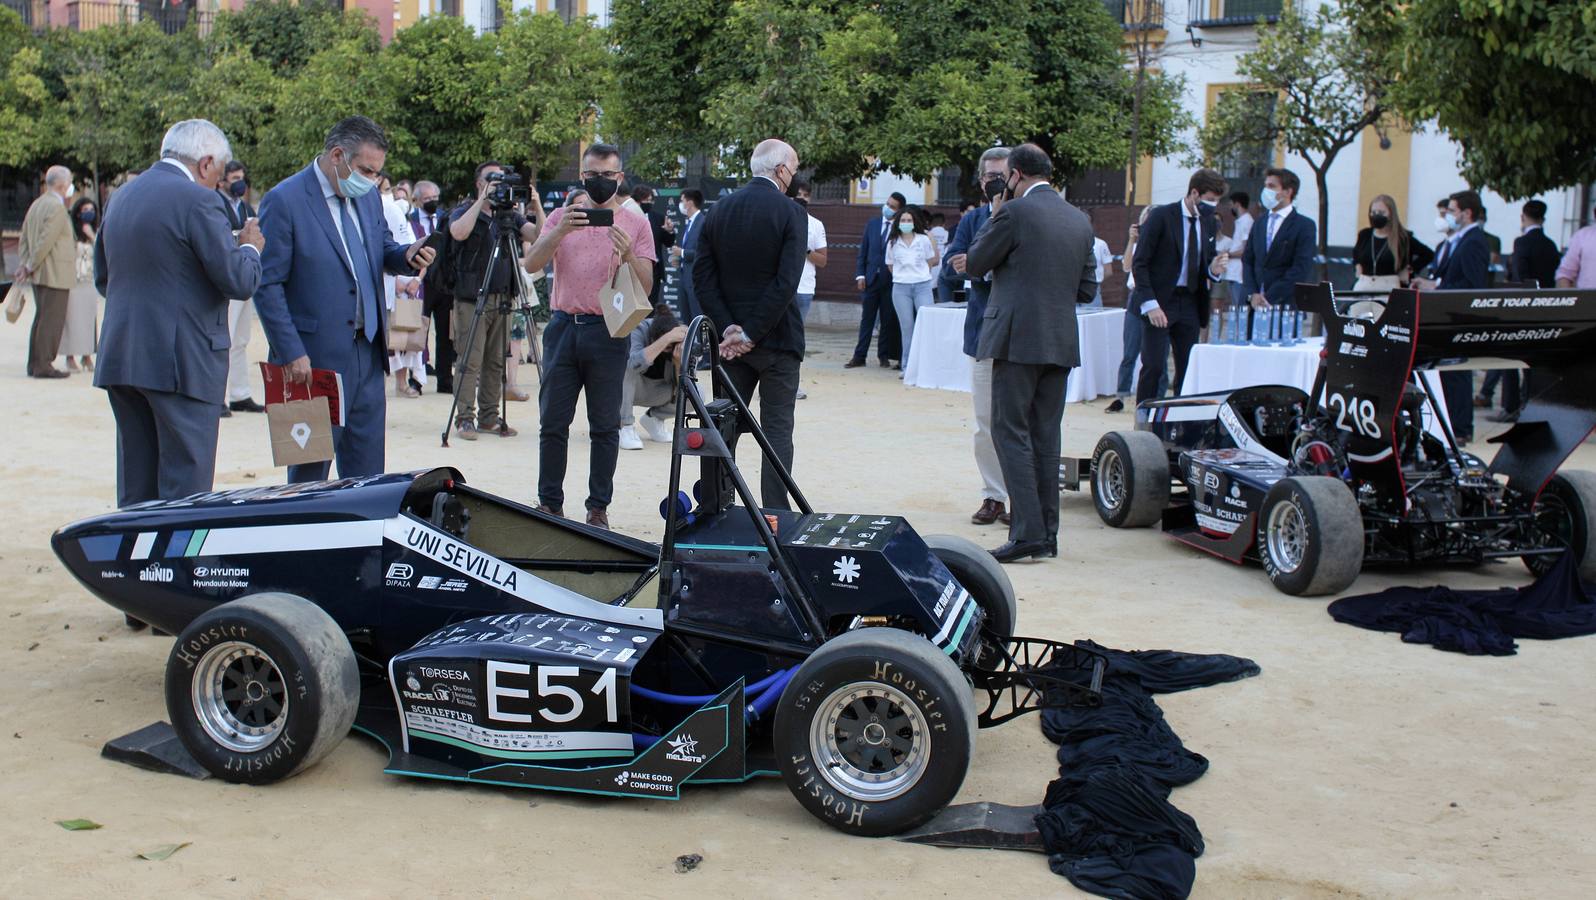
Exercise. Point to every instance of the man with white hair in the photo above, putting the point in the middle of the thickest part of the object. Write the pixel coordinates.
(745, 275)
(49, 263)
(167, 262)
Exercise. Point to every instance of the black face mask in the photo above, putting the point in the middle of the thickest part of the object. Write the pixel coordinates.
(646, 207)
(1205, 208)
(801, 202)
(1378, 220)
(599, 189)
(992, 189)
(430, 207)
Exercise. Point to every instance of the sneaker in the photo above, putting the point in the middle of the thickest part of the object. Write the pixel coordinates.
(629, 439)
(466, 429)
(1117, 406)
(657, 431)
(802, 395)
(598, 518)
(498, 427)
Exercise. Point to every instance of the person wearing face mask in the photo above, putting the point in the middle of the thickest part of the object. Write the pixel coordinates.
(1465, 267)
(1226, 292)
(1176, 260)
(579, 355)
(437, 295)
(750, 258)
(321, 296)
(1385, 254)
(911, 257)
(1038, 249)
(874, 284)
(79, 335)
(234, 191)
(1280, 250)
(50, 265)
(480, 369)
(664, 231)
(167, 261)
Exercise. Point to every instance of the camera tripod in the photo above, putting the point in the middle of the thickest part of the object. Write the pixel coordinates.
(512, 301)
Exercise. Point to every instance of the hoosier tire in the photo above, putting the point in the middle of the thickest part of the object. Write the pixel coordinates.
(980, 574)
(1310, 535)
(875, 732)
(261, 688)
(1567, 507)
(1130, 479)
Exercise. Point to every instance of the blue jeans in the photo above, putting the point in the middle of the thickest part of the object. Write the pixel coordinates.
(803, 305)
(579, 355)
(906, 301)
(1131, 337)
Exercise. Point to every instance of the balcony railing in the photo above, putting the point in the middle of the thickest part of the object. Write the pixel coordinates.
(1136, 14)
(34, 13)
(86, 14)
(1220, 13)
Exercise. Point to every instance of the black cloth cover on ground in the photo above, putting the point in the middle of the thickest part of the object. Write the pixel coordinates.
(1108, 825)
(1556, 605)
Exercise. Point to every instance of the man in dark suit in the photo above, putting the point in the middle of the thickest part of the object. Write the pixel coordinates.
(234, 191)
(1534, 261)
(1467, 267)
(1173, 265)
(167, 262)
(321, 295)
(1280, 248)
(664, 231)
(692, 207)
(437, 298)
(1038, 249)
(750, 257)
(873, 280)
(994, 499)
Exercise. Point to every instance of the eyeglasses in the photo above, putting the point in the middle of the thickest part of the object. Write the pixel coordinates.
(591, 174)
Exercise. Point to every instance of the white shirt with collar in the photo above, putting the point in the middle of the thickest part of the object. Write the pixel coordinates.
(1458, 235)
(334, 203)
(1186, 218)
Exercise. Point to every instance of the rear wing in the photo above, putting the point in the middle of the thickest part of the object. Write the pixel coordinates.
(1551, 331)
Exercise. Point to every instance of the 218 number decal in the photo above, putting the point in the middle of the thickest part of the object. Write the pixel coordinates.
(558, 702)
(1355, 415)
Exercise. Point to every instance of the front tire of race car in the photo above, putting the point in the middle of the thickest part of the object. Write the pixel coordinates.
(1130, 479)
(1567, 509)
(875, 731)
(1310, 535)
(980, 574)
(261, 688)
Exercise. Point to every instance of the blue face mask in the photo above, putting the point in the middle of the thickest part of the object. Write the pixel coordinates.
(887, 211)
(87, 215)
(1451, 222)
(356, 185)
(1268, 197)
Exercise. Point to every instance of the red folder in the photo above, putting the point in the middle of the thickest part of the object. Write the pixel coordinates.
(323, 383)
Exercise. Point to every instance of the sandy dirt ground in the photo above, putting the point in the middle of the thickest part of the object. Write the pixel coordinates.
(1354, 766)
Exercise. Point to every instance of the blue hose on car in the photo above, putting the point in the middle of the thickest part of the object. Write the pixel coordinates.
(768, 690)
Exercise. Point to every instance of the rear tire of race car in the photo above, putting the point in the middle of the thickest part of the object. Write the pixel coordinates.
(875, 731)
(980, 574)
(1310, 535)
(1130, 479)
(1570, 497)
(261, 688)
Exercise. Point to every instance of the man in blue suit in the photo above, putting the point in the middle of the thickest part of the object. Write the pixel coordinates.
(321, 295)
(1465, 267)
(873, 280)
(692, 206)
(994, 497)
(1280, 249)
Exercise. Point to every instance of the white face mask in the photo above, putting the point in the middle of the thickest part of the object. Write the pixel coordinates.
(403, 204)
(1441, 225)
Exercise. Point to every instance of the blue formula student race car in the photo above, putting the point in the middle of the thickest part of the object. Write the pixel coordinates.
(480, 640)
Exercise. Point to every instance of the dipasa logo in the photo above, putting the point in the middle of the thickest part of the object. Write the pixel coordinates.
(156, 572)
(399, 575)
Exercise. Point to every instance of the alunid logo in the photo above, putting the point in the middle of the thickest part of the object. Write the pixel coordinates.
(156, 572)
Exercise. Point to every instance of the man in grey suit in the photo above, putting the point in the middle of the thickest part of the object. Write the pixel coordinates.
(167, 261)
(1038, 249)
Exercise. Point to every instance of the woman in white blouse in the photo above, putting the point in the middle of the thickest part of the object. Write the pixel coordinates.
(912, 256)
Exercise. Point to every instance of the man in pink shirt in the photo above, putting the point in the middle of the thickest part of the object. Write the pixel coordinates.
(1578, 269)
(578, 353)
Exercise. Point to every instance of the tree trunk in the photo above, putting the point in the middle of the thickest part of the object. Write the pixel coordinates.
(1320, 178)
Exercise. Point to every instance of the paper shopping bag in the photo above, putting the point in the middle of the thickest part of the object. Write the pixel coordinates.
(301, 431)
(406, 315)
(624, 302)
(16, 298)
(406, 341)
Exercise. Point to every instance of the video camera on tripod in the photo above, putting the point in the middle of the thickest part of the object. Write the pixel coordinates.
(509, 191)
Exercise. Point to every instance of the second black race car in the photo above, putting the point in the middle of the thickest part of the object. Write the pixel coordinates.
(1364, 469)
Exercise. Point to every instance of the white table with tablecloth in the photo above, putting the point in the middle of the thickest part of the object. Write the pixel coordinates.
(1225, 367)
(937, 360)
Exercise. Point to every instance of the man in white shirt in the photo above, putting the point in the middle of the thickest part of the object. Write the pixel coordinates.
(814, 259)
(1226, 292)
(1104, 258)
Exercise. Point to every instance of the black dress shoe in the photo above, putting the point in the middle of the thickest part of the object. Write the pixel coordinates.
(1117, 406)
(247, 404)
(1052, 546)
(854, 363)
(227, 413)
(445, 387)
(885, 364)
(1014, 551)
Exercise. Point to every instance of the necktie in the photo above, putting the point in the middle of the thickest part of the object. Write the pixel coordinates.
(365, 300)
(1194, 256)
(1274, 222)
